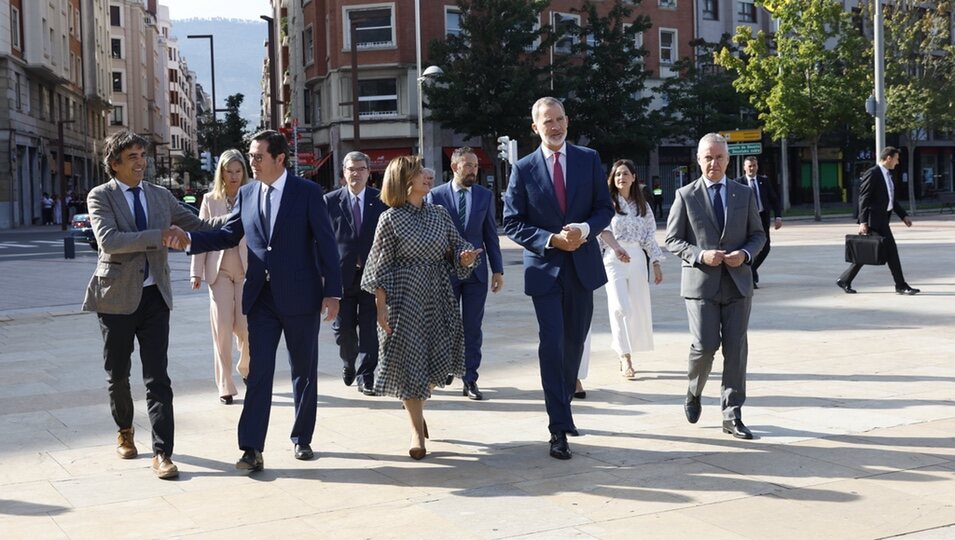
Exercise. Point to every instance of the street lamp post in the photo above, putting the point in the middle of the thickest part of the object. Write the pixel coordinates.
(430, 73)
(212, 66)
(156, 158)
(273, 84)
(61, 174)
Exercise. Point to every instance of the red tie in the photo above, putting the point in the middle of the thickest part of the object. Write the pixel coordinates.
(559, 188)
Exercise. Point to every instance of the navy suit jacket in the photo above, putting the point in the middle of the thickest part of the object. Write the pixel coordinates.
(481, 231)
(767, 195)
(353, 245)
(301, 258)
(532, 215)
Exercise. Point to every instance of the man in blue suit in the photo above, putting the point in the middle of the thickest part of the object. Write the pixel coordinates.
(556, 203)
(293, 277)
(354, 210)
(472, 210)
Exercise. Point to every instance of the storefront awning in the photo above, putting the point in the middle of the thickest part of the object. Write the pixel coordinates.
(381, 156)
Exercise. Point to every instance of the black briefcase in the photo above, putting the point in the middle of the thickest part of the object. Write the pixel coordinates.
(865, 249)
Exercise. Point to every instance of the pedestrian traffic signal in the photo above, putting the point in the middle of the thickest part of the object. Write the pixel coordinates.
(507, 149)
(206, 159)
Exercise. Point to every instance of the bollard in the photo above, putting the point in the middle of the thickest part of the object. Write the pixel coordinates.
(69, 248)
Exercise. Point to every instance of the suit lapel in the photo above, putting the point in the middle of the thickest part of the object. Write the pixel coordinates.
(344, 203)
(118, 196)
(287, 198)
(258, 205)
(573, 172)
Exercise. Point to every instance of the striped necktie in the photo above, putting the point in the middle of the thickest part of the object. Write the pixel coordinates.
(463, 208)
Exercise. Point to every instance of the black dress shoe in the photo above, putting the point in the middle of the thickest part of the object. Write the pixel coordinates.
(692, 408)
(251, 460)
(559, 449)
(367, 387)
(755, 285)
(573, 432)
(348, 374)
(225, 400)
(471, 391)
(303, 452)
(737, 429)
(449, 380)
(580, 395)
(845, 287)
(907, 290)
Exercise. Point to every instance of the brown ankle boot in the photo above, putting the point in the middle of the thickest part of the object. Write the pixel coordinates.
(125, 446)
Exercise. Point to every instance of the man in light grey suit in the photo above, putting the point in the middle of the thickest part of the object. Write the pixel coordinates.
(133, 222)
(715, 228)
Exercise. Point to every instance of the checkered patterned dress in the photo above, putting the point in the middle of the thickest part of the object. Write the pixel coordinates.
(411, 259)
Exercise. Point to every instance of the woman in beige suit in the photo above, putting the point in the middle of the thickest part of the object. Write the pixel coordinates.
(224, 272)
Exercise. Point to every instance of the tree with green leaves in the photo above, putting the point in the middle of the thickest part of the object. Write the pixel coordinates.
(494, 70)
(701, 98)
(604, 81)
(217, 135)
(919, 65)
(807, 79)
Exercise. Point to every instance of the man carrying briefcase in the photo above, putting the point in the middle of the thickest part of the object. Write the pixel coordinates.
(876, 204)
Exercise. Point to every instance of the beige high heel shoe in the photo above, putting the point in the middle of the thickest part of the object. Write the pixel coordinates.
(626, 368)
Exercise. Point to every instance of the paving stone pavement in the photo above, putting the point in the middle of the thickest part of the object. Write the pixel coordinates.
(850, 398)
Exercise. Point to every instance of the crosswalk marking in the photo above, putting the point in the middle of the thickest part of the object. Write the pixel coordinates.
(57, 242)
(10, 244)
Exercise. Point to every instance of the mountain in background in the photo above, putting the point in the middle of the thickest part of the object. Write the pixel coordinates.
(239, 54)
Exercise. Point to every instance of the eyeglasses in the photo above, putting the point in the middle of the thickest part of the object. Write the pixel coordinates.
(356, 169)
(257, 158)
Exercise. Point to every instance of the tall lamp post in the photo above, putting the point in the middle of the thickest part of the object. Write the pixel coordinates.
(61, 174)
(156, 158)
(212, 66)
(273, 84)
(431, 73)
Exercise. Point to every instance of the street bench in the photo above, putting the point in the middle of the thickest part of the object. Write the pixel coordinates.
(947, 198)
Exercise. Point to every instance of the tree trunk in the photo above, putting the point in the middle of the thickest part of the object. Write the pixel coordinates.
(816, 200)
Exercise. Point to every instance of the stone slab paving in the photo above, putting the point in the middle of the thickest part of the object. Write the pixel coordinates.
(850, 397)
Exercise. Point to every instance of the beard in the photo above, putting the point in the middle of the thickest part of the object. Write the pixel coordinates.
(468, 180)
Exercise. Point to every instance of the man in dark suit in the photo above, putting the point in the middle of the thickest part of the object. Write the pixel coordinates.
(472, 210)
(292, 278)
(556, 203)
(354, 211)
(766, 200)
(876, 203)
(133, 222)
(715, 229)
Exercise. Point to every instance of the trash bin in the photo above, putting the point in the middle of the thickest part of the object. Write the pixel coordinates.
(69, 248)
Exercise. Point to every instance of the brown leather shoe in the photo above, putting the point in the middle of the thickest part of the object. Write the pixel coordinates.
(125, 446)
(164, 467)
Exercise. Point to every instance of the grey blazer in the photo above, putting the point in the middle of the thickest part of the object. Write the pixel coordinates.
(117, 283)
(692, 229)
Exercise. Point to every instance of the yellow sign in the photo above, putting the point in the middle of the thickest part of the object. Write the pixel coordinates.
(743, 135)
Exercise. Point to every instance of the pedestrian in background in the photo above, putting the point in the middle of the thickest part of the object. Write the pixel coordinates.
(472, 209)
(766, 200)
(421, 339)
(46, 205)
(224, 273)
(629, 249)
(354, 210)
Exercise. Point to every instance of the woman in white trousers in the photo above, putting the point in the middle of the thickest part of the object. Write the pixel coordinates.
(224, 272)
(629, 247)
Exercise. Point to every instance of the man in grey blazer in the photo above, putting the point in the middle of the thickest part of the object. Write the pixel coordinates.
(133, 222)
(715, 229)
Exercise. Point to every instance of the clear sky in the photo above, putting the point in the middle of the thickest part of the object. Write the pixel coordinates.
(206, 9)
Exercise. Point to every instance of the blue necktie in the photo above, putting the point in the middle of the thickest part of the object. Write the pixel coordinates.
(267, 216)
(463, 208)
(140, 214)
(718, 207)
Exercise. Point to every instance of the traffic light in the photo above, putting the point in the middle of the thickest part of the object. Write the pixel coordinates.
(504, 148)
(206, 159)
(507, 149)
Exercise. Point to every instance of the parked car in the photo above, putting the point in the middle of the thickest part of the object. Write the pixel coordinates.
(80, 228)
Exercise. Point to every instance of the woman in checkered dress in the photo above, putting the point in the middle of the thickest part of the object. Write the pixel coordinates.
(420, 336)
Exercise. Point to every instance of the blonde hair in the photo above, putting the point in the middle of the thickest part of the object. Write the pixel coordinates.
(397, 182)
(218, 185)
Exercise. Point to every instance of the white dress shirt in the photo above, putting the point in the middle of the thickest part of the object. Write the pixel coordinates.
(132, 210)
